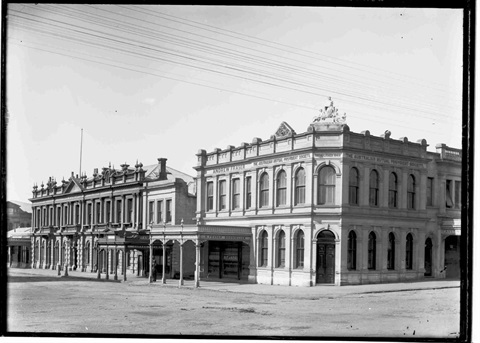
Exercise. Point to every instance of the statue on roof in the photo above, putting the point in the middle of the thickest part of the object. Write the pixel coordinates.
(329, 111)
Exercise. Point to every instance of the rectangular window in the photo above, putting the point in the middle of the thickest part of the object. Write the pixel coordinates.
(98, 213)
(236, 193)
(107, 212)
(89, 214)
(458, 192)
(129, 210)
(159, 212)
(209, 196)
(118, 208)
(248, 192)
(222, 195)
(169, 211)
(430, 191)
(448, 194)
(150, 211)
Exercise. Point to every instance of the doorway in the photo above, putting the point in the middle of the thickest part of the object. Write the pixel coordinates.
(452, 257)
(225, 260)
(325, 258)
(428, 257)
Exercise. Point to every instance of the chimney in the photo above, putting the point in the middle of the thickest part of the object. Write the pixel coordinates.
(163, 168)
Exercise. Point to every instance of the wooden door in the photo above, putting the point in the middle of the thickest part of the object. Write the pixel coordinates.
(325, 263)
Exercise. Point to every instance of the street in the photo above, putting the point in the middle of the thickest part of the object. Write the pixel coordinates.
(41, 301)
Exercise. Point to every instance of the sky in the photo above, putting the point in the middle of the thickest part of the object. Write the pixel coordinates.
(145, 82)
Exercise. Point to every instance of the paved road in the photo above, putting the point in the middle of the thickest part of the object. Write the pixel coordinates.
(40, 301)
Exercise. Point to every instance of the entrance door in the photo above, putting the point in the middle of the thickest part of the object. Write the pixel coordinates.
(452, 257)
(428, 257)
(326, 257)
(225, 260)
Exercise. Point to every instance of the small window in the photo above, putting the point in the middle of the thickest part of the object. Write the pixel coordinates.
(393, 191)
(281, 249)
(430, 191)
(209, 196)
(151, 205)
(281, 188)
(300, 187)
(248, 192)
(353, 187)
(236, 193)
(222, 195)
(411, 192)
(264, 190)
(373, 194)
(118, 217)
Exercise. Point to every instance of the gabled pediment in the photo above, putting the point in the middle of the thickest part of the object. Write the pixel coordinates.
(73, 186)
(284, 130)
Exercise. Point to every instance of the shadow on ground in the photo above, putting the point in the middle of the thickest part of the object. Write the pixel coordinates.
(30, 278)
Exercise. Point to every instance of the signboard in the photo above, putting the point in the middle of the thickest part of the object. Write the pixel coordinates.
(384, 160)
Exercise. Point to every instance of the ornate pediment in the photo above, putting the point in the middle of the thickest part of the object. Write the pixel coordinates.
(284, 130)
(73, 187)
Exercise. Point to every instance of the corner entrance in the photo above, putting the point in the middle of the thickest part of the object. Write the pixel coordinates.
(325, 258)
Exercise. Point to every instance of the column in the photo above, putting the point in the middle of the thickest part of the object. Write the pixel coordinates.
(180, 282)
(66, 258)
(271, 249)
(252, 277)
(150, 261)
(164, 259)
(124, 266)
(197, 264)
(115, 263)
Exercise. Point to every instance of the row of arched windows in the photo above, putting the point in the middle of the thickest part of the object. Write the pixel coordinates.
(372, 251)
(325, 189)
(299, 252)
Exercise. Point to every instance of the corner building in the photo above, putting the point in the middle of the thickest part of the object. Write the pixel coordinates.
(330, 206)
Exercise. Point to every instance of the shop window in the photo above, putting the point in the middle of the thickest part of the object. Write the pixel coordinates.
(391, 251)
(373, 194)
(281, 188)
(411, 192)
(430, 191)
(409, 252)
(264, 191)
(326, 186)
(248, 192)
(222, 195)
(209, 196)
(159, 212)
(300, 249)
(280, 249)
(264, 249)
(300, 186)
(353, 187)
(393, 191)
(236, 194)
(352, 251)
(372, 251)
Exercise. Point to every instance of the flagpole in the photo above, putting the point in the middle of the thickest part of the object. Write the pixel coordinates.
(81, 144)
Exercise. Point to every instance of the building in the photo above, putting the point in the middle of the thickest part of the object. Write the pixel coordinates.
(102, 223)
(19, 215)
(18, 244)
(330, 206)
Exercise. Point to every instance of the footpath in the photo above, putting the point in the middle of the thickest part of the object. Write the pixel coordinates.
(236, 287)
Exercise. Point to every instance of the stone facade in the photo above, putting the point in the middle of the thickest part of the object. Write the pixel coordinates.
(333, 206)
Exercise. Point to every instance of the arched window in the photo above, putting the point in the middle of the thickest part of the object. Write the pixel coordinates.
(264, 249)
(300, 186)
(264, 193)
(409, 252)
(372, 251)
(55, 254)
(352, 251)
(326, 186)
(353, 187)
(391, 251)
(411, 192)
(373, 195)
(281, 249)
(281, 188)
(393, 191)
(36, 252)
(300, 247)
(87, 253)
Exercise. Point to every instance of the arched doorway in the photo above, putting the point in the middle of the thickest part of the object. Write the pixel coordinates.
(452, 257)
(325, 257)
(428, 257)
